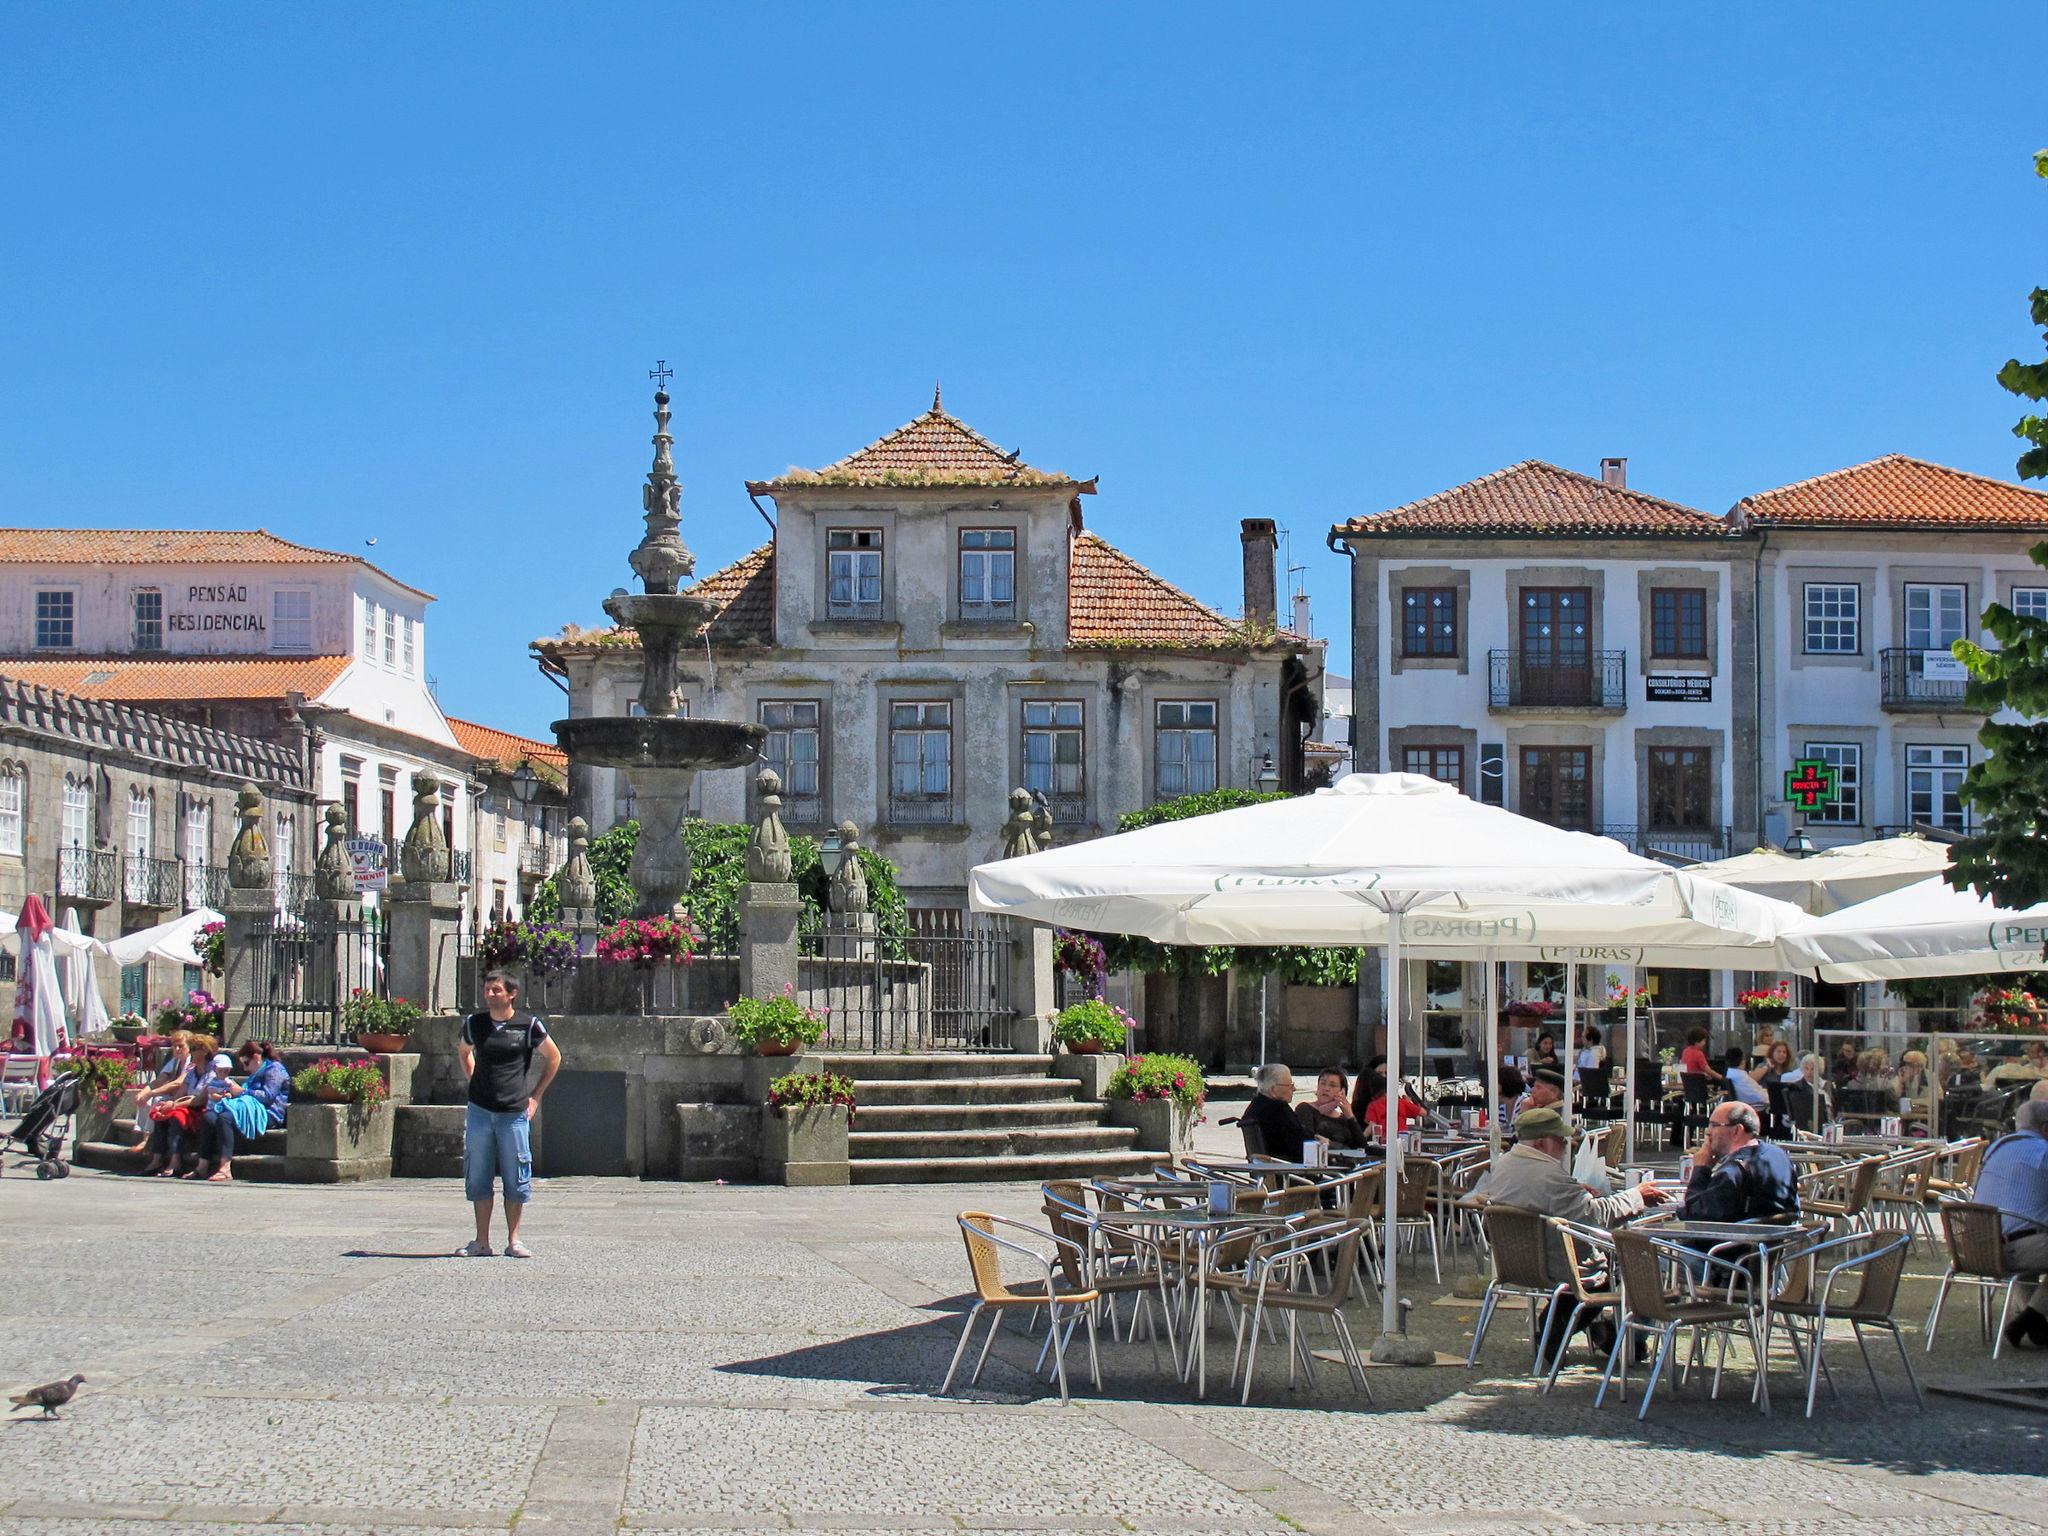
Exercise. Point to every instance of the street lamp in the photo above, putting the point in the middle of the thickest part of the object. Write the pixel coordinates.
(525, 784)
(1799, 845)
(1269, 776)
(831, 852)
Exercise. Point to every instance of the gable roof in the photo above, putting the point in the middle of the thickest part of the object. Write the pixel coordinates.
(935, 449)
(160, 679)
(1896, 491)
(508, 751)
(169, 546)
(1534, 497)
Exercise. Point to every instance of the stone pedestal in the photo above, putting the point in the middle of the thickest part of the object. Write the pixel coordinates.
(804, 1146)
(768, 938)
(246, 911)
(337, 1143)
(426, 924)
(1034, 987)
(1091, 1072)
(1161, 1124)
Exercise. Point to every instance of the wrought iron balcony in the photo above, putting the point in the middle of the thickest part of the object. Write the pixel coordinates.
(204, 885)
(1917, 680)
(1536, 680)
(157, 884)
(1673, 845)
(90, 877)
(1067, 810)
(921, 810)
(533, 858)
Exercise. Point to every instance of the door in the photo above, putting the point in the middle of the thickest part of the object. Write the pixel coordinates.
(1934, 622)
(1557, 641)
(1557, 786)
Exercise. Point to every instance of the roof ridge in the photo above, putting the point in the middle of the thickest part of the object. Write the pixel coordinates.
(937, 414)
(1547, 493)
(1153, 576)
(1756, 502)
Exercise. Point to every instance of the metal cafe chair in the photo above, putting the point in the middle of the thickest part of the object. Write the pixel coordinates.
(1590, 1282)
(1282, 1275)
(992, 1294)
(1651, 1308)
(1521, 1269)
(1877, 1261)
(1975, 1234)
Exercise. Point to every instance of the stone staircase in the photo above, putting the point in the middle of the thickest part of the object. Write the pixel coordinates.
(976, 1119)
(260, 1161)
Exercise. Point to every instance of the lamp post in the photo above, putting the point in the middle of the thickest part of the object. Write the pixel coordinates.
(831, 852)
(1799, 845)
(1269, 776)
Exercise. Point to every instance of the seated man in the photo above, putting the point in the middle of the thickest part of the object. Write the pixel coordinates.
(1736, 1177)
(1741, 1084)
(2015, 1179)
(1271, 1114)
(1546, 1091)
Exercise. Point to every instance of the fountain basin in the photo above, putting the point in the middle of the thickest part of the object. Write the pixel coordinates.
(659, 741)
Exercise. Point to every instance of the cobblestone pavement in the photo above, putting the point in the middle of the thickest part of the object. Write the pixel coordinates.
(693, 1358)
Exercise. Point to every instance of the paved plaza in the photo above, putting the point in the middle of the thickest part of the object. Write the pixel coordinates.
(700, 1358)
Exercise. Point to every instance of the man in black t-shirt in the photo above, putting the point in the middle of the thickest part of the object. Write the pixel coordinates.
(500, 1048)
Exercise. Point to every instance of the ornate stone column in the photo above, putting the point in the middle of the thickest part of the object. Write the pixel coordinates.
(769, 905)
(250, 913)
(426, 911)
(576, 887)
(1033, 995)
(338, 961)
(849, 896)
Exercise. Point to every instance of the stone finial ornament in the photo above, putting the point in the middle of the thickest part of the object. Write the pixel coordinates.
(249, 857)
(662, 561)
(768, 845)
(1019, 832)
(849, 881)
(424, 858)
(333, 875)
(577, 883)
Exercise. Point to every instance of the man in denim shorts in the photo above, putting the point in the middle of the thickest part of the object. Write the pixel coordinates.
(499, 1048)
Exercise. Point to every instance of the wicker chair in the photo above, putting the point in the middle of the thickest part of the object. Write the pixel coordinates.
(1418, 1180)
(993, 1295)
(1808, 1296)
(1281, 1276)
(1842, 1192)
(1521, 1267)
(1649, 1308)
(1133, 1266)
(1965, 1161)
(1589, 1288)
(1900, 1198)
(1975, 1235)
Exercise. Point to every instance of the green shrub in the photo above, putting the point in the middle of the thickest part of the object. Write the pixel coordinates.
(1092, 1019)
(811, 1090)
(777, 1020)
(1178, 1078)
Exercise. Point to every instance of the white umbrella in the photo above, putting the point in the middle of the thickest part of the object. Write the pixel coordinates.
(175, 941)
(1834, 878)
(39, 1028)
(1926, 929)
(81, 995)
(61, 938)
(1393, 859)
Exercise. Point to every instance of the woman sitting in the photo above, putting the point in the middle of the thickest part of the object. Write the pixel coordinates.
(246, 1109)
(1542, 1054)
(176, 1117)
(170, 1077)
(1369, 1100)
(1329, 1115)
(1915, 1088)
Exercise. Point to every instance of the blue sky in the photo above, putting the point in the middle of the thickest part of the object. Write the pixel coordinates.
(399, 271)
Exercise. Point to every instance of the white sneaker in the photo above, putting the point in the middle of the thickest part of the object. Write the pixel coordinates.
(473, 1250)
(518, 1250)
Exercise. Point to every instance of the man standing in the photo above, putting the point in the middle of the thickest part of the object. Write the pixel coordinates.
(2015, 1179)
(498, 1049)
(1736, 1177)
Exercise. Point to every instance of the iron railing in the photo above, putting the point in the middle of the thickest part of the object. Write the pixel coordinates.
(533, 858)
(461, 866)
(921, 810)
(293, 891)
(1677, 845)
(1066, 810)
(148, 882)
(1914, 679)
(205, 885)
(943, 986)
(306, 968)
(88, 875)
(1533, 680)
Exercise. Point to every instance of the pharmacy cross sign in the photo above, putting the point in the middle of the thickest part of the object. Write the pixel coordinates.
(1812, 784)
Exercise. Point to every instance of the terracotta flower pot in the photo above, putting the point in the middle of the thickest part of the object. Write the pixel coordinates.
(383, 1045)
(777, 1047)
(329, 1096)
(1084, 1047)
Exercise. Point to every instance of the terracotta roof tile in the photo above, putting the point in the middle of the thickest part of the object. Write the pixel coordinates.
(1533, 497)
(508, 751)
(126, 679)
(744, 592)
(166, 546)
(1897, 492)
(1113, 600)
(935, 449)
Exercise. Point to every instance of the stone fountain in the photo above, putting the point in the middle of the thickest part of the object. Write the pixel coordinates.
(661, 752)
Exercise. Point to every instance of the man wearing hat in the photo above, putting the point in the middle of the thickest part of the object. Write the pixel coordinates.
(1546, 1088)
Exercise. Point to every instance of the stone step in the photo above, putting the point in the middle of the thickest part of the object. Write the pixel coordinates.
(123, 1134)
(965, 1090)
(994, 1143)
(869, 1067)
(975, 1117)
(1026, 1168)
(114, 1157)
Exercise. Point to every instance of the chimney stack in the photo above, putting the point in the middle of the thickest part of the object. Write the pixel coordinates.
(1261, 592)
(1614, 472)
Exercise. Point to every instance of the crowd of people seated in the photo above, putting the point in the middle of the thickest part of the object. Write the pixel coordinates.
(191, 1116)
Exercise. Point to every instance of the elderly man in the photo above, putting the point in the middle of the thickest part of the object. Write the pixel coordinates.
(2015, 1179)
(1545, 1091)
(1735, 1176)
(1271, 1114)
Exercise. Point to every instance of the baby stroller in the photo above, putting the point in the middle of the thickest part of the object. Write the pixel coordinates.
(45, 1126)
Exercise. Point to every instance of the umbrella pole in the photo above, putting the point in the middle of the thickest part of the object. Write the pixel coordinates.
(1491, 1088)
(1571, 1036)
(1390, 1133)
(1628, 1075)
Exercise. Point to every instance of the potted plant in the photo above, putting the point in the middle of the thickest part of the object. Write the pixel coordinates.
(1531, 1008)
(212, 948)
(1090, 1026)
(1619, 994)
(540, 948)
(200, 1011)
(1160, 1097)
(1766, 1007)
(648, 941)
(334, 1081)
(1080, 956)
(777, 1026)
(129, 1028)
(103, 1077)
(381, 1025)
(804, 1128)
(2007, 1010)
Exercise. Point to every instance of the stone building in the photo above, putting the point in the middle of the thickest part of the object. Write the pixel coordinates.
(931, 624)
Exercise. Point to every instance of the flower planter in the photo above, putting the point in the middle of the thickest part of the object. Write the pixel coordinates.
(1085, 1047)
(805, 1146)
(328, 1096)
(1764, 1015)
(1161, 1124)
(128, 1034)
(777, 1047)
(384, 1045)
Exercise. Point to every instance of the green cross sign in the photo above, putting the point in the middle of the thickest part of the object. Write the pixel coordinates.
(1811, 784)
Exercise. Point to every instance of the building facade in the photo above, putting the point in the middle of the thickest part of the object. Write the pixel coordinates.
(932, 625)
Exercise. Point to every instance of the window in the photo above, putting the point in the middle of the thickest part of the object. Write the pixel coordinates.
(2030, 602)
(12, 784)
(291, 619)
(1053, 756)
(1429, 621)
(1846, 758)
(387, 804)
(1934, 775)
(198, 852)
(1557, 786)
(792, 751)
(77, 828)
(282, 828)
(135, 884)
(1444, 764)
(497, 823)
(390, 638)
(54, 613)
(149, 619)
(352, 793)
(921, 761)
(1678, 623)
(1680, 793)
(853, 573)
(1183, 747)
(369, 630)
(411, 636)
(1934, 615)
(988, 571)
(1832, 626)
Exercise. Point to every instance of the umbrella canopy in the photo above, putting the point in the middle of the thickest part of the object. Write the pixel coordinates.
(171, 941)
(63, 938)
(81, 995)
(1834, 878)
(1925, 929)
(38, 1000)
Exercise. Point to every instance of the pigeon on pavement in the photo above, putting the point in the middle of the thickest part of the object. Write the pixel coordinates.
(50, 1397)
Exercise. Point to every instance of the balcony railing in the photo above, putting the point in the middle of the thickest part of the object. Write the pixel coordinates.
(1673, 845)
(1067, 810)
(91, 876)
(1913, 679)
(461, 866)
(205, 885)
(149, 882)
(921, 810)
(1527, 680)
(533, 858)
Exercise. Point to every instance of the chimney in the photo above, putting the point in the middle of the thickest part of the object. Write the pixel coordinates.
(1261, 593)
(1302, 626)
(1614, 472)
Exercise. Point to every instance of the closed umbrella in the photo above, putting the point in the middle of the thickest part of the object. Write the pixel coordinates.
(1393, 859)
(81, 994)
(175, 941)
(39, 1028)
